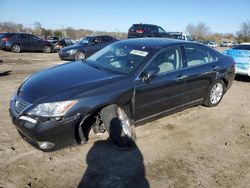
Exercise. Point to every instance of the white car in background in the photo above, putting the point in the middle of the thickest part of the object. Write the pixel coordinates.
(226, 44)
(212, 44)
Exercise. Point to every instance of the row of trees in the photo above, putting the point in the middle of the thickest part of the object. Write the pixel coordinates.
(39, 30)
(202, 32)
(199, 31)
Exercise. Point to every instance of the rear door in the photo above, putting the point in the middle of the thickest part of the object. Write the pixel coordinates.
(202, 68)
(36, 44)
(23, 40)
(165, 91)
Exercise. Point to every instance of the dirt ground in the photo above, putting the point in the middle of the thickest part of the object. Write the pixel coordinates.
(198, 147)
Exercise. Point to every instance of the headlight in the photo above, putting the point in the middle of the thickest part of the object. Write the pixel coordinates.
(53, 109)
(72, 51)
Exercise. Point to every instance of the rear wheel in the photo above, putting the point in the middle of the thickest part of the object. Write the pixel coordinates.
(119, 126)
(16, 48)
(79, 55)
(215, 93)
(47, 49)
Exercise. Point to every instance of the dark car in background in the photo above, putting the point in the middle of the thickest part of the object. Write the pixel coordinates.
(146, 30)
(63, 43)
(86, 47)
(53, 40)
(18, 42)
(125, 83)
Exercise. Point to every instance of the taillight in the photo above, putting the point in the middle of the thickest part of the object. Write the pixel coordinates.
(5, 39)
(139, 31)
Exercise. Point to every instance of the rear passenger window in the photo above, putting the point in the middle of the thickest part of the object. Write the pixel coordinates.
(198, 56)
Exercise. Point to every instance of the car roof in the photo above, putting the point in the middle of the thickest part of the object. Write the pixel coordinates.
(145, 25)
(93, 36)
(154, 42)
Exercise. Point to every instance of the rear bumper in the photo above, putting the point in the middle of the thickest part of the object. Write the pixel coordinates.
(57, 134)
(239, 69)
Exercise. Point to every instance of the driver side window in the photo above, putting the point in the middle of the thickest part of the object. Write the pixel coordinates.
(167, 60)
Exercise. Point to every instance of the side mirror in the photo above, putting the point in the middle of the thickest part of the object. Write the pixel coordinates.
(148, 75)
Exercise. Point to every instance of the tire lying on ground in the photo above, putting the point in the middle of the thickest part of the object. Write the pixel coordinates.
(215, 93)
(119, 126)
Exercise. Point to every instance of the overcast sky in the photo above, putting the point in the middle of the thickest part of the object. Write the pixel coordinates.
(118, 15)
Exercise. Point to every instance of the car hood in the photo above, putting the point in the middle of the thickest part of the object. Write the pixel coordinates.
(64, 82)
(74, 46)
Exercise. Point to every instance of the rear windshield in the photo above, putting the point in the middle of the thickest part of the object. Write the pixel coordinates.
(2, 35)
(135, 27)
(242, 47)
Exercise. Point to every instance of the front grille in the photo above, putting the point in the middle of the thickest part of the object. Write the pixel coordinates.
(19, 105)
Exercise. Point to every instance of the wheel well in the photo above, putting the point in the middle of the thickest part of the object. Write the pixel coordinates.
(225, 82)
(85, 124)
(17, 44)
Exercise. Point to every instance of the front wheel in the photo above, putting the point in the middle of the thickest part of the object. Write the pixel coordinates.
(47, 49)
(79, 55)
(215, 94)
(119, 126)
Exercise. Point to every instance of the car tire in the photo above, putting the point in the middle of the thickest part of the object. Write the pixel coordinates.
(119, 126)
(47, 49)
(215, 93)
(16, 48)
(79, 55)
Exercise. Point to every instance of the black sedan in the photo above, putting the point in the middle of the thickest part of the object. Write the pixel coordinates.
(86, 47)
(18, 42)
(122, 85)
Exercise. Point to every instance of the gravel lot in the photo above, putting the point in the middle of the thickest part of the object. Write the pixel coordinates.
(198, 147)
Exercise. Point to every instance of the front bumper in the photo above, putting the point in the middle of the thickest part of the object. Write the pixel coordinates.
(66, 56)
(56, 134)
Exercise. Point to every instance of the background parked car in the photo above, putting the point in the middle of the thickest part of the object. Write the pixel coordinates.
(53, 40)
(180, 36)
(226, 44)
(17, 42)
(146, 30)
(63, 43)
(241, 55)
(212, 44)
(86, 47)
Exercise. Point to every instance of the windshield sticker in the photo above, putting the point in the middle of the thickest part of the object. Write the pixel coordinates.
(139, 52)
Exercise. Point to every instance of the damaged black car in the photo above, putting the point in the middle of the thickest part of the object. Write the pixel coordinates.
(126, 83)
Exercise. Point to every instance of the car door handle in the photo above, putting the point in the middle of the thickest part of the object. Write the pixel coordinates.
(180, 77)
(215, 68)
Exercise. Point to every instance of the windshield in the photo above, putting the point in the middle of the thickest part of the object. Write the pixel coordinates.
(84, 40)
(119, 58)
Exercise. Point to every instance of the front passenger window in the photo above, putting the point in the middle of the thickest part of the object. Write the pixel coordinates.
(167, 60)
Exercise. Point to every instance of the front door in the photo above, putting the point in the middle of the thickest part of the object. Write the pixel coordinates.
(165, 90)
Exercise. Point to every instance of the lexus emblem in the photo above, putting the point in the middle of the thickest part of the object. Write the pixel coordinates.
(17, 103)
